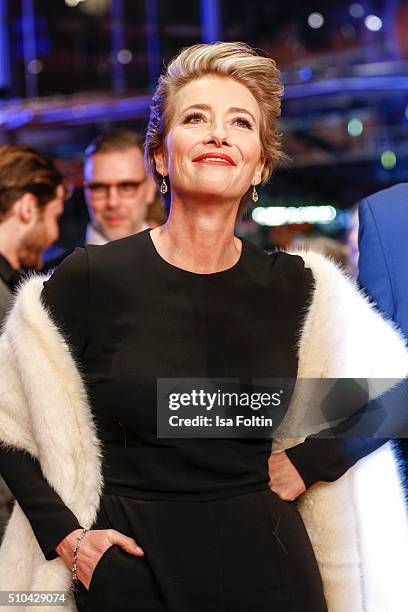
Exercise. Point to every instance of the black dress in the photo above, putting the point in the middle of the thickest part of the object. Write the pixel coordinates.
(215, 537)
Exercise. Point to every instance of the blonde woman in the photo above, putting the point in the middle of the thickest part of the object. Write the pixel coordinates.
(187, 525)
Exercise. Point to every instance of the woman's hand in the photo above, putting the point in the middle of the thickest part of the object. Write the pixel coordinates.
(91, 549)
(285, 480)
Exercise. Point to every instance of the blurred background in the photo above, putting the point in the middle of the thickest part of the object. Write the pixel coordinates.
(73, 69)
(70, 69)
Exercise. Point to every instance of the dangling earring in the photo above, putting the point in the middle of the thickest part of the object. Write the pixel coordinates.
(255, 196)
(163, 186)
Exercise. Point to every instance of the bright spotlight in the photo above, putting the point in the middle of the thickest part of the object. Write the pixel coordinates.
(373, 23)
(388, 160)
(315, 20)
(355, 127)
(275, 216)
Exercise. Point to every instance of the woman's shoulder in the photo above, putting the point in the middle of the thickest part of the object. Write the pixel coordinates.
(120, 247)
(288, 261)
(282, 262)
(297, 274)
(70, 276)
(282, 272)
(118, 256)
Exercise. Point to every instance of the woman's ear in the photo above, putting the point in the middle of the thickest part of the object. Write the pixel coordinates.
(258, 171)
(160, 160)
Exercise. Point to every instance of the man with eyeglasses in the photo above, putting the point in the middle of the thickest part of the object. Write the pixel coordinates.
(118, 191)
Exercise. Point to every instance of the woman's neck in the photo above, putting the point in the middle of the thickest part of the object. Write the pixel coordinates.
(197, 240)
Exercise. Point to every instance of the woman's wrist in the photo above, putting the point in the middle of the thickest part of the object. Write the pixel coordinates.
(66, 546)
(75, 554)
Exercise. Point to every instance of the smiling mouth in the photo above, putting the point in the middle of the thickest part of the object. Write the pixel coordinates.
(215, 160)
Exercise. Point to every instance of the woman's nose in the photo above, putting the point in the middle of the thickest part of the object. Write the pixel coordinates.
(218, 135)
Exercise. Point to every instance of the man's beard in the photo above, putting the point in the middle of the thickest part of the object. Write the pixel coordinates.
(31, 250)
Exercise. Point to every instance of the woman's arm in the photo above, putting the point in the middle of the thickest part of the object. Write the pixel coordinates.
(327, 459)
(328, 454)
(50, 519)
(374, 424)
(65, 295)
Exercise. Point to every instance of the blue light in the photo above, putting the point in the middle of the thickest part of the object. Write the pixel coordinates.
(13, 120)
(306, 73)
(210, 21)
(356, 10)
(347, 85)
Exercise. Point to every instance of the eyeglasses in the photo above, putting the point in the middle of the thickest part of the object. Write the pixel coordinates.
(125, 189)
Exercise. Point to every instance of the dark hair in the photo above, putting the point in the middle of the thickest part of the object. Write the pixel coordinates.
(114, 140)
(25, 170)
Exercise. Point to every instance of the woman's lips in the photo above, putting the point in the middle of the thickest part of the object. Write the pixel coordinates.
(215, 159)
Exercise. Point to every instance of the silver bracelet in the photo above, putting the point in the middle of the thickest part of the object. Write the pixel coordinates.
(74, 555)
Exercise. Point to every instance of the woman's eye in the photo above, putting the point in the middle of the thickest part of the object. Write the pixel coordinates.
(194, 118)
(242, 122)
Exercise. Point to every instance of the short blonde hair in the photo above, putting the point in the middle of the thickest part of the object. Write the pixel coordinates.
(231, 59)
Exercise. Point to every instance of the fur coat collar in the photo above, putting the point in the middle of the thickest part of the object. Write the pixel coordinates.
(358, 524)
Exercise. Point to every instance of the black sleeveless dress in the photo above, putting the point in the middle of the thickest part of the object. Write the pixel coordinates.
(215, 537)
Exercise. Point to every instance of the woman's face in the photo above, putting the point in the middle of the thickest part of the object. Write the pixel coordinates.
(213, 144)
